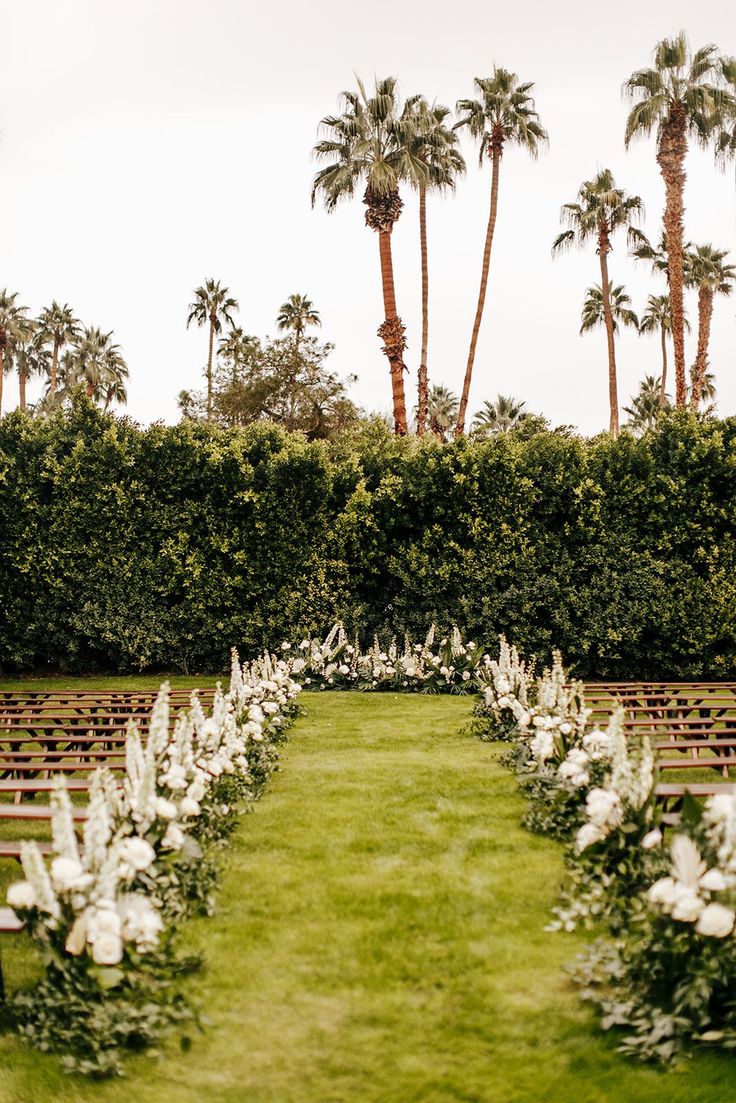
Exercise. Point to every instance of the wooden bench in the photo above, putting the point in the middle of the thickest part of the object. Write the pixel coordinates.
(36, 812)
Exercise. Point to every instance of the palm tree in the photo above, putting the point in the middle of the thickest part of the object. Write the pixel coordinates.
(705, 269)
(594, 312)
(504, 114)
(442, 406)
(236, 348)
(726, 137)
(58, 326)
(433, 145)
(601, 210)
(681, 98)
(212, 304)
(31, 358)
(367, 145)
(657, 318)
(499, 416)
(97, 364)
(646, 406)
(296, 314)
(15, 328)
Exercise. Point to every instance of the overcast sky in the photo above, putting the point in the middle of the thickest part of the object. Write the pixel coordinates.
(148, 144)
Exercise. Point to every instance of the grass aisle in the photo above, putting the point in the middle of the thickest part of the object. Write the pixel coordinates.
(379, 940)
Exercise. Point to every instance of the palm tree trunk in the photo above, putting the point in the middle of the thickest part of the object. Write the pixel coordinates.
(423, 393)
(209, 369)
(392, 333)
(705, 315)
(608, 319)
(54, 368)
(497, 144)
(671, 159)
(22, 387)
(90, 390)
(662, 396)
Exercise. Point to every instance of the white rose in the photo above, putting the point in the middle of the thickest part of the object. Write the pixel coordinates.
(652, 839)
(102, 922)
(189, 807)
(587, 835)
(107, 949)
(343, 669)
(713, 881)
(715, 921)
(720, 807)
(565, 728)
(165, 809)
(67, 873)
(466, 675)
(197, 790)
(662, 892)
(603, 808)
(285, 646)
(174, 837)
(503, 702)
(138, 853)
(687, 906)
(21, 895)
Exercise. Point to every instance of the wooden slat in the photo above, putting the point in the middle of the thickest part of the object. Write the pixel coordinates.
(43, 785)
(36, 812)
(9, 922)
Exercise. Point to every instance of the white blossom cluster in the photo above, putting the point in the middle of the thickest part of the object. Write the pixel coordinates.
(506, 683)
(686, 894)
(95, 894)
(628, 785)
(558, 721)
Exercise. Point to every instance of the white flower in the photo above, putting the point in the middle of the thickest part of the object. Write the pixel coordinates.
(141, 923)
(21, 895)
(174, 837)
(102, 921)
(68, 873)
(466, 675)
(503, 702)
(444, 670)
(713, 881)
(107, 949)
(542, 746)
(652, 839)
(197, 790)
(603, 808)
(137, 853)
(720, 808)
(165, 809)
(285, 646)
(687, 906)
(587, 835)
(565, 728)
(189, 807)
(715, 921)
(298, 665)
(663, 892)
(597, 744)
(343, 669)
(175, 778)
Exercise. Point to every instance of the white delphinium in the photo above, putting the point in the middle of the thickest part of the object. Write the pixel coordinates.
(37, 877)
(685, 894)
(63, 835)
(628, 785)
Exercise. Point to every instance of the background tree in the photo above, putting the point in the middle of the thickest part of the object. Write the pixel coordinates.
(657, 318)
(97, 364)
(58, 327)
(366, 145)
(15, 328)
(646, 406)
(296, 314)
(602, 209)
(593, 313)
(680, 97)
(499, 416)
(503, 114)
(442, 410)
(706, 269)
(31, 359)
(434, 145)
(212, 305)
(725, 138)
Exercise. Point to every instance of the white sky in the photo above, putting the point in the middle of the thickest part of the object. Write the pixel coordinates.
(148, 144)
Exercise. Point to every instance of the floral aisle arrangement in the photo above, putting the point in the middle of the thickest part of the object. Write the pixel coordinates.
(504, 710)
(103, 912)
(447, 665)
(668, 979)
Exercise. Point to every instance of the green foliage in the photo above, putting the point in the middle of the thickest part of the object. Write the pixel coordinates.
(130, 549)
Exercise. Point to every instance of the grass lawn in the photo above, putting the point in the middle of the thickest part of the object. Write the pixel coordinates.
(379, 939)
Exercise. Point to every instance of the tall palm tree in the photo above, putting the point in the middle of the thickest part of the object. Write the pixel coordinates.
(680, 97)
(433, 145)
(707, 270)
(504, 114)
(593, 313)
(96, 363)
(442, 409)
(602, 209)
(725, 142)
(31, 358)
(646, 406)
(57, 326)
(15, 328)
(296, 314)
(499, 416)
(365, 145)
(657, 318)
(212, 304)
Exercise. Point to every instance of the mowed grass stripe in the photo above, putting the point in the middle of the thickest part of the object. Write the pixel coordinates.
(379, 939)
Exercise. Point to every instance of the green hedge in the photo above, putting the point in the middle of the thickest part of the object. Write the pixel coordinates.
(131, 549)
